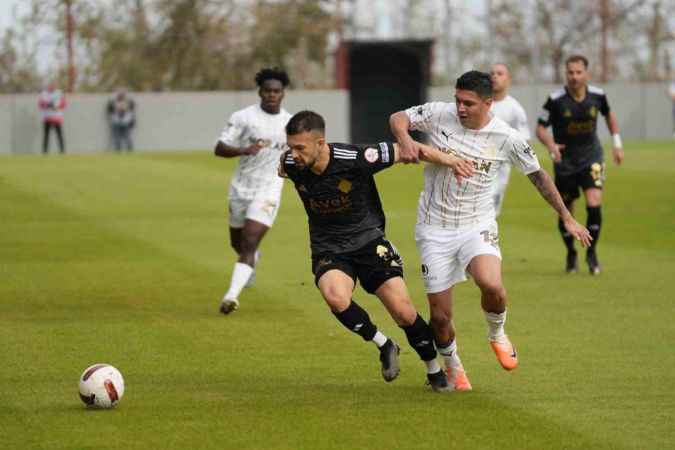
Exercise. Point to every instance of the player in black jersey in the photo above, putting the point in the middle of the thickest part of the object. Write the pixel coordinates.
(346, 227)
(576, 150)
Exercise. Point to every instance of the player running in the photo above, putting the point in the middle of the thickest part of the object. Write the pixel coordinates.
(256, 135)
(576, 151)
(510, 111)
(456, 230)
(346, 228)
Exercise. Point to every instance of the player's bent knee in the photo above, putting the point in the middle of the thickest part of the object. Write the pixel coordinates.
(492, 288)
(337, 299)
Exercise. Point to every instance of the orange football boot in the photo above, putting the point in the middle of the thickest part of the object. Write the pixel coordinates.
(505, 352)
(457, 378)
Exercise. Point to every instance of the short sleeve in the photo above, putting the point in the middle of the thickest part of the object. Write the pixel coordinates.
(521, 123)
(523, 156)
(373, 158)
(231, 134)
(545, 115)
(423, 117)
(604, 105)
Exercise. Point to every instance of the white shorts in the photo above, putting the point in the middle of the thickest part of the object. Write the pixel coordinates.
(263, 208)
(446, 253)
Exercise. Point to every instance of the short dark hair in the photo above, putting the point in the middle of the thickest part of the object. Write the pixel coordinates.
(476, 81)
(577, 58)
(272, 73)
(305, 121)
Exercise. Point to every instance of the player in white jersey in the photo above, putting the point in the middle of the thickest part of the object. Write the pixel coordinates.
(510, 111)
(456, 231)
(257, 136)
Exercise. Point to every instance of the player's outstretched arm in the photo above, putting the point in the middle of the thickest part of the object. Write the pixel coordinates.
(226, 151)
(542, 181)
(461, 167)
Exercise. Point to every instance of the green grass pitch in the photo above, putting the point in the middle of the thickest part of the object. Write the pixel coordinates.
(124, 259)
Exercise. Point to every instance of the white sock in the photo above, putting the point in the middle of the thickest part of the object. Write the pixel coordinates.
(495, 325)
(240, 275)
(450, 355)
(432, 366)
(379, 339)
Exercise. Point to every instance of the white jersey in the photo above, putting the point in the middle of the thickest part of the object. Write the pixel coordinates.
(257, 172)
(446, 203)
(510, 111)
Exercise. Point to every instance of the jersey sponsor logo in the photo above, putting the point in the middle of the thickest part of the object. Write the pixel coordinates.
(384, 151)
(331, 206)
(582, 127)
(447, 136)
(528, 151)
(567, 113)
(371, 155)
(482, 165)
(345, 186)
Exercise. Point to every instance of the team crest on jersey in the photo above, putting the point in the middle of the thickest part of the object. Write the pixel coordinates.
(567, 113)
(371, 155)
(593, 111)
(345, 186)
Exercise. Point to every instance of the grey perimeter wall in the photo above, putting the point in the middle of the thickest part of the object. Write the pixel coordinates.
(193, 121)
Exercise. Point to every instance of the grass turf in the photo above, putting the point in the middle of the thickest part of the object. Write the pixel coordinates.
(123, 259)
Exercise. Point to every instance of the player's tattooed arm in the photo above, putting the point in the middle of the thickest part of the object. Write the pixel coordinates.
(542, 181)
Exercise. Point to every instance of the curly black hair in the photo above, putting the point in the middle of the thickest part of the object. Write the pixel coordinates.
(272, 73)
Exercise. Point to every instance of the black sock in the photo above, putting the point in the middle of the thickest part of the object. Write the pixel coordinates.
(356, 319)
(567, 238)
(593, 223)
(421, 339)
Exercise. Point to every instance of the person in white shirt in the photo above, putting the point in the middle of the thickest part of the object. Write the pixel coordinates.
(456, 230)
(257, 136)
(510, 111)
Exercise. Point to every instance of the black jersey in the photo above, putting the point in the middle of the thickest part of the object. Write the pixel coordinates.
(575, 126)
(342, 203)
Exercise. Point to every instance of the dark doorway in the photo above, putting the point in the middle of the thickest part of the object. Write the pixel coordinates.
(384, 77)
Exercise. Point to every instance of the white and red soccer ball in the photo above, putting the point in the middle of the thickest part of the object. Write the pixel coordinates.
(101, 386)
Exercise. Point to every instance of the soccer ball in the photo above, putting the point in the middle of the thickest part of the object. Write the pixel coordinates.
(101, 386)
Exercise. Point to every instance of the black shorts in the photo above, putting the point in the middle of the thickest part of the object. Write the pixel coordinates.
(372, 264)
(591, 176)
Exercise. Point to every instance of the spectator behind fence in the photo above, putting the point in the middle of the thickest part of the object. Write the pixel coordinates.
(52, 102)
(121, 112)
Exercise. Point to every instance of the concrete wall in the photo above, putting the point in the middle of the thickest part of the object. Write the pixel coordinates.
(190, 121)
(644, 111)
(165, 121)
